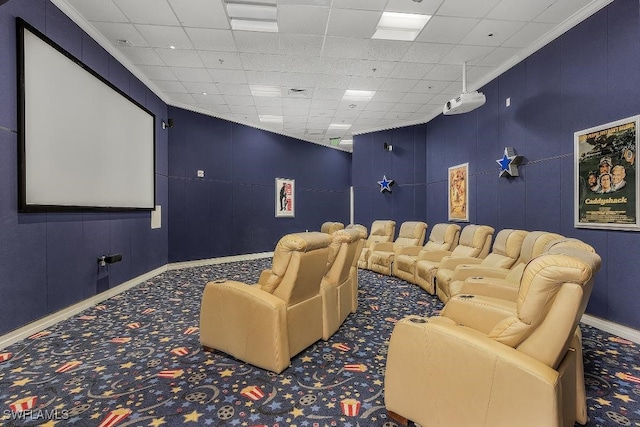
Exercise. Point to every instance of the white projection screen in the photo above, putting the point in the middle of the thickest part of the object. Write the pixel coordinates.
(83, 143)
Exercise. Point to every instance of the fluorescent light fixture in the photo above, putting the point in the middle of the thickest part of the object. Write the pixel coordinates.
(252, 11)
(358, 95)
(400, 26)
(346, 142)
(267, 118)
(260, 90)
(248, 25)
(338, 126)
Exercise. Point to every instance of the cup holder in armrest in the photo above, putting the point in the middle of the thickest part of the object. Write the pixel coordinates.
(418, 320)
(477, 278)
(466, 296)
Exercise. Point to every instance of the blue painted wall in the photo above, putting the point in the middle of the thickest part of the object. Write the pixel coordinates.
(232, 209)
(48, 261)
(587, 77)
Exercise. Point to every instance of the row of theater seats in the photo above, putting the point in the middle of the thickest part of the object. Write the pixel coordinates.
(506, 348)
(305, 296)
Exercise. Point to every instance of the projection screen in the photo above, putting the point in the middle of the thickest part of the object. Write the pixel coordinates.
(83, 143)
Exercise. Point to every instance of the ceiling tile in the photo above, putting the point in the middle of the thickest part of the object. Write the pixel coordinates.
(518, 10)
(498, 56)
(228, 76)
(491, 33)
(267, 101)
(424, 7)
(155, 12)
(163, 37)
(105, 11)
(183, 98)
(260, 62)
(180, 58)
(217, 109)
(298, 80)
(445, 72)
(269, 111)
(386, 50)
(370, 68)
(300, 19)
(469, 54)
(249, 41)
(142, 55)
(119, 31)
(300, 44)
(387, 96)
(366, 83)
(303, 104)
(446, 29)
(208, 99)
(360, 4)
(335, 82)
(211, 39)
(337, 66)
(353, 23)
(466, 8)
(186, 74)
(238, 100)
(328, 94)
(267, 78)
(398, 85)
(200, 13)
(411, 70)
(430, 86)
(529, 34)
(299, 64)
(426, 52)
(416, 98)
(344, 47)
(222, 60)
(157, 72)
(243, 110)
(561, 10)
(406, 107)
(170, 86)
(200, 87)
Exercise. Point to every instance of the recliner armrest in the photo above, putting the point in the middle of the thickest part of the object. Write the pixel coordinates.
(433, 255)
(450, 263)
(481, 313)
(464, 271)
(486, 286)
(382, 246)
(264, 276)
(410, 250)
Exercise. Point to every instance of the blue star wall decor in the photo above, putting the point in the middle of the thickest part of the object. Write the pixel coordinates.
(509, 162)
(385, 184)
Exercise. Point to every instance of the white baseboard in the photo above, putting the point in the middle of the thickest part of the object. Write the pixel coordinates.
(50, 320)
(613, 328)
(221, 260)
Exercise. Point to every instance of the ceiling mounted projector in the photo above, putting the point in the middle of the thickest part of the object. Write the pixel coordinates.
(466, 101)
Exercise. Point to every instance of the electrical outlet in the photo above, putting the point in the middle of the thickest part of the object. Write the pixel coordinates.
(200, 173)
(507, 102)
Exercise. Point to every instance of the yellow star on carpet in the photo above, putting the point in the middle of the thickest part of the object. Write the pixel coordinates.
(100, 369)
(165, 339)
(76, 390)
(288, 396)
(49, 423)
(193, 416)
(285, 381)
(306, 359)
(157, 421)
(318, 384)
(126, 365)
(18, 370)
(297, 412)
(331, 405)
(226, 373)
(21, 382)
(209, 362)
(623, 397)
(603, 402)
(176, 389)
(377, 382)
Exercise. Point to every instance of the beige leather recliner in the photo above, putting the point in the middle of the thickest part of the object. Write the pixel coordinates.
(331, 226)
(382, 230)
(354, 266)
(504, 253)
(443, 237)
(412, 233)
(336, 287)
(501, 282)
(475, 241)
(266, 324)
(491, 362)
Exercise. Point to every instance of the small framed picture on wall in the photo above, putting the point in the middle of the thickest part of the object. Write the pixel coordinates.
(458, 193)
(606, 176)
(285, 198)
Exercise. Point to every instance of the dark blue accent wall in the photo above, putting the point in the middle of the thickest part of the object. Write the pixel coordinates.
(587, 77)
(48, 261)
(232, 209)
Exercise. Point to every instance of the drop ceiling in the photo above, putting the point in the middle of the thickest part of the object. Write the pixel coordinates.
(296, 78)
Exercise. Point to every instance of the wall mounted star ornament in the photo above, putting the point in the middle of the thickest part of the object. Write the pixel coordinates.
(385, 184)
(509, 163)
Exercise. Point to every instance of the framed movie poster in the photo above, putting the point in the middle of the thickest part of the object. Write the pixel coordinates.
(606, 176)
(458, 193)
(285, 197)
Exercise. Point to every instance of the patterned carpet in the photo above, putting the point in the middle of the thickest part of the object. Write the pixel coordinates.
(135, 360)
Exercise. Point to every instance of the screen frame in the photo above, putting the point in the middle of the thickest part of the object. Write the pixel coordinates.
(23, 205)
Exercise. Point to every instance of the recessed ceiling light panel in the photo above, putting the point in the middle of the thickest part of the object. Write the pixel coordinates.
(400, 26)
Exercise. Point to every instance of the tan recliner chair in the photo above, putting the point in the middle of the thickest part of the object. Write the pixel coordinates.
(504, 253)
(382, 230)
(501, 282)
(354, 267)
(443, 237)
(490, 362)
(336, 287)
(266, 324)
(412, 233)
(475, 241)
(331, 226)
